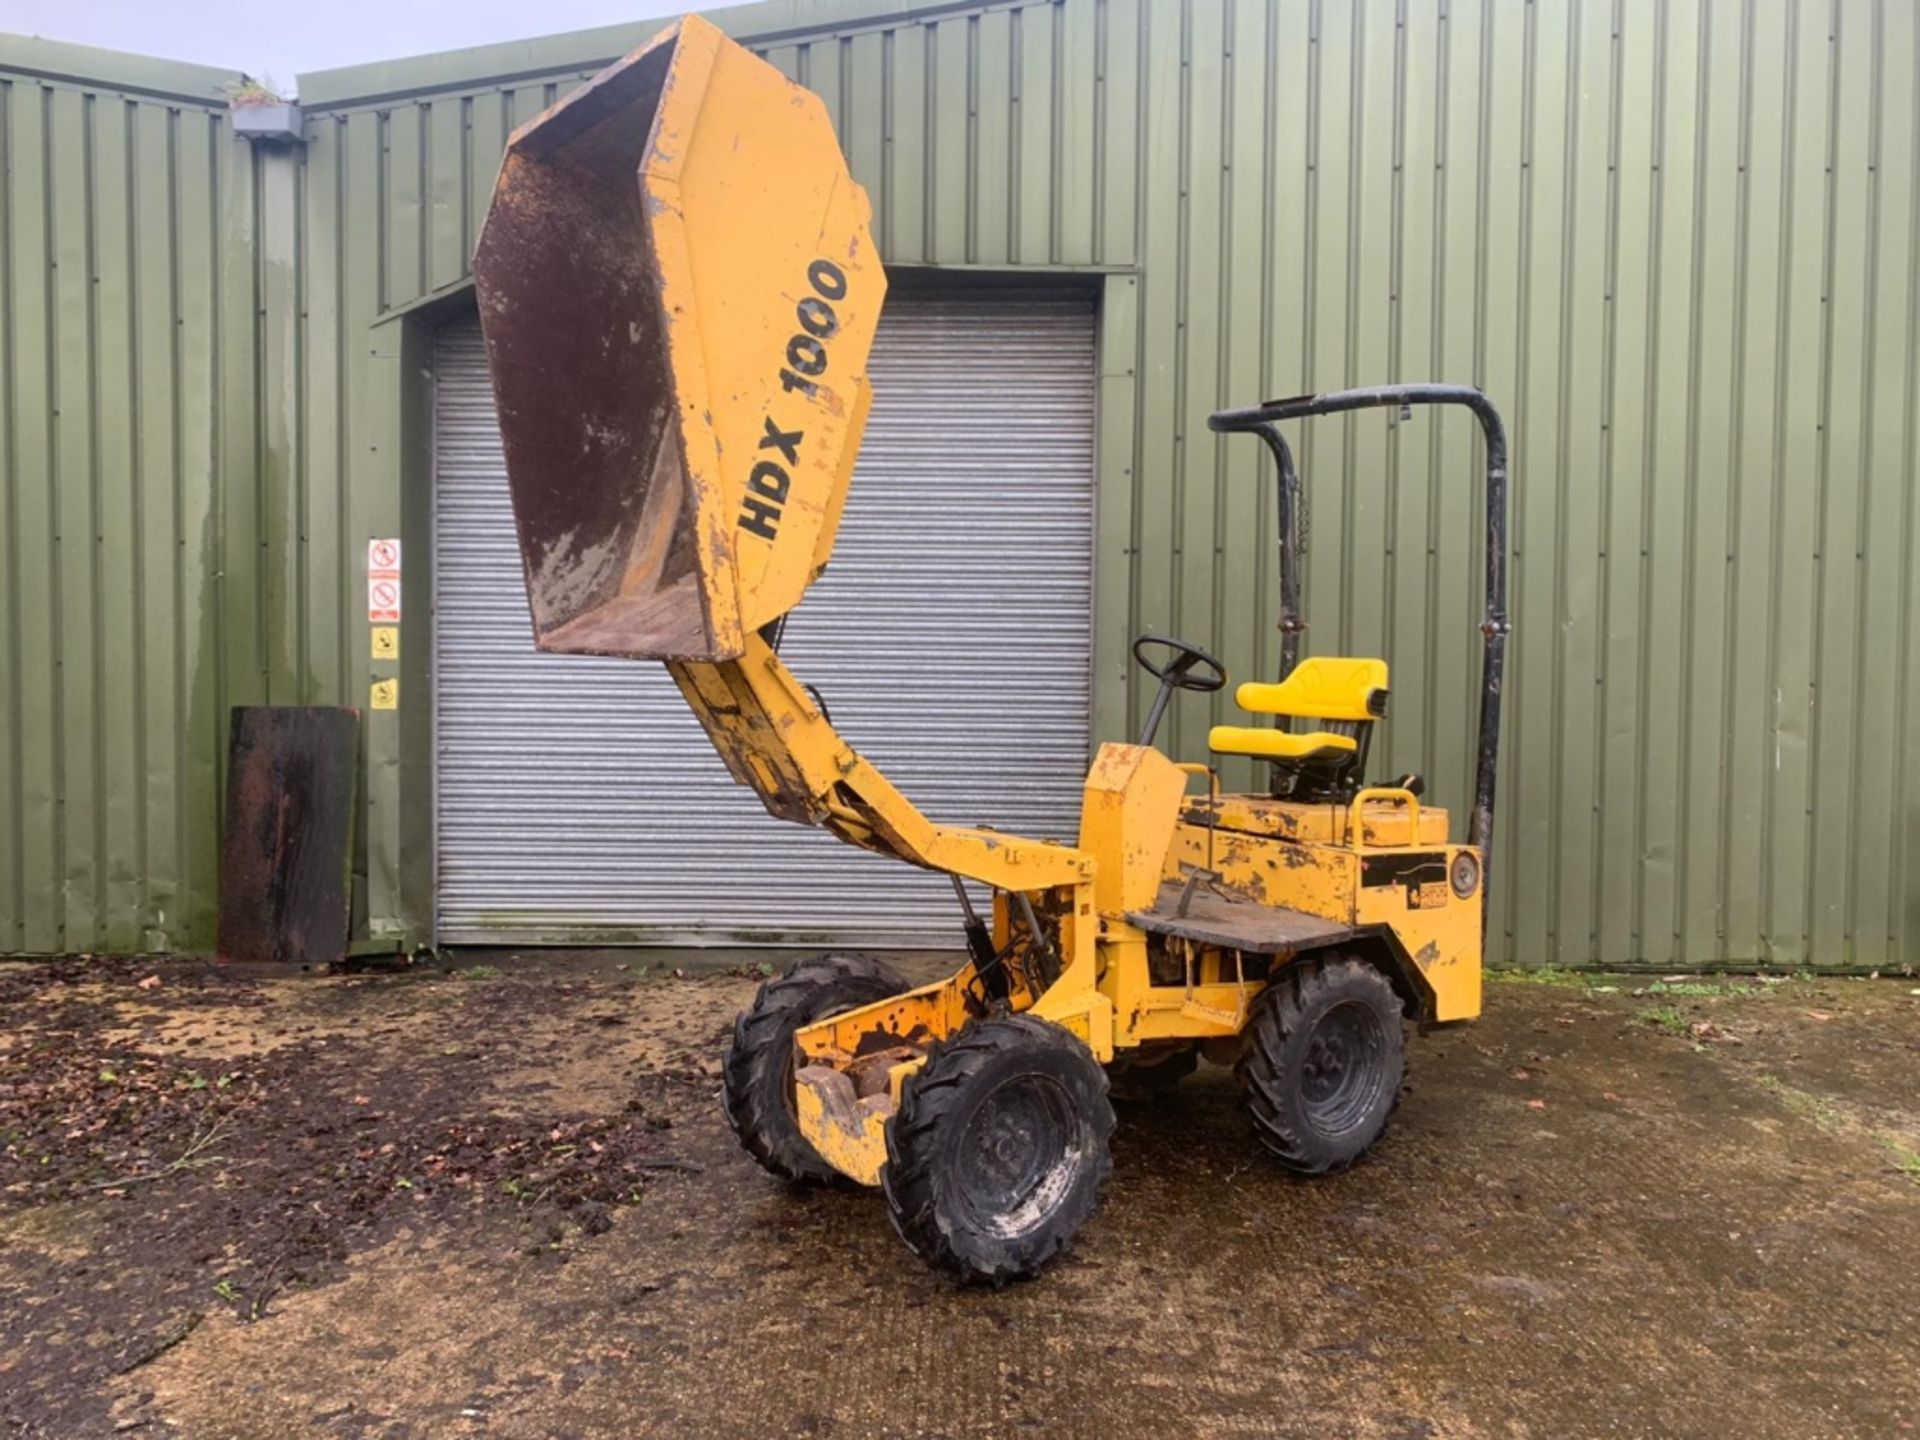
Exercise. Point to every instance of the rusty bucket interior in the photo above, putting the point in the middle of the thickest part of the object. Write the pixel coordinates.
(678, 292)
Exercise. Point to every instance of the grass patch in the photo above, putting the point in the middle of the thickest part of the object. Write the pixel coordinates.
(1601, 982)
(1664, 1018)
(1822, 1113)
(1905, 1159)
(1542, 975)
(478, 972)
(1704, 989)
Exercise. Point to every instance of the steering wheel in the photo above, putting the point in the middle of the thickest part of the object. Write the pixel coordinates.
(1180, 669)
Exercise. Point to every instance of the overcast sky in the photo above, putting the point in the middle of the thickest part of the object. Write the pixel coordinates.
(284, 40)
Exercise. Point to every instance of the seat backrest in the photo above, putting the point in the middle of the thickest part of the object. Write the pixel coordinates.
(1326, 687)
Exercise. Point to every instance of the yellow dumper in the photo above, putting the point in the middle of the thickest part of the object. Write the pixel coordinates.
(679, 293)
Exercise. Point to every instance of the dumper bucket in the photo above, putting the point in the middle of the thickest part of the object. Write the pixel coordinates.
(679, 292)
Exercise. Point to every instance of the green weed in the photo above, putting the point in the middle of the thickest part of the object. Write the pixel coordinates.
(1665, 1018)
(1702, 988)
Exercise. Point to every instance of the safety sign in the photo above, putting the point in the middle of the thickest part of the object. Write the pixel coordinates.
(383, 582)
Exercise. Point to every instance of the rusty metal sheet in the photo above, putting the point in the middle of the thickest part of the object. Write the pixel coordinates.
(1213, 919)
(287, 851)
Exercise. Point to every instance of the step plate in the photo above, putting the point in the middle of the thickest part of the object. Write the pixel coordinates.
(1212, 919)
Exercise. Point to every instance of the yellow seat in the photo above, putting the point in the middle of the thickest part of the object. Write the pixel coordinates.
(1351, 692)
(1266, 744)
(1327, 687)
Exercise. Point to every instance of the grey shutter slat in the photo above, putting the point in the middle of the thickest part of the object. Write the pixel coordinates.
(579, 802)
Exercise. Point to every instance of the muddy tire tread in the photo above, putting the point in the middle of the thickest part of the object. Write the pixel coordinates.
(927, 1105)
(1280, 1013)
(756, 1067)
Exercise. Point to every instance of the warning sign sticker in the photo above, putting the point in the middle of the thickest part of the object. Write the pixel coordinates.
(383, 582)
(383, 601)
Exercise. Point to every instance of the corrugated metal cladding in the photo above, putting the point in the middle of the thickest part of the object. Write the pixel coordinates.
(141, 589)
(1676, 239)
(580, 801)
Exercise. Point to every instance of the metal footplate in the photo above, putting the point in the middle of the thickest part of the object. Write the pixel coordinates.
(1210, 918)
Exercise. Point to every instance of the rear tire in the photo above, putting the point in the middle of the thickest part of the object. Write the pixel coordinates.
(1325, 1054)
(997, 1154)
(759, 1064)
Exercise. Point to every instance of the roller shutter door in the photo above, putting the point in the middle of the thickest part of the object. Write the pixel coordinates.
(578, 801)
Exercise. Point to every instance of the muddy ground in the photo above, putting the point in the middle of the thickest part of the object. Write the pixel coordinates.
(499, 1199)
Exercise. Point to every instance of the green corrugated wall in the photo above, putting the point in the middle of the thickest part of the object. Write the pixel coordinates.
(1675, 240)
(136, 602)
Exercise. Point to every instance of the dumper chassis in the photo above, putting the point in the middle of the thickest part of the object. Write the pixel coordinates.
(679, 292)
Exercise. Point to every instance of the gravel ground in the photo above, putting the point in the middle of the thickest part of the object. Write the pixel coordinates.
(499, 1199)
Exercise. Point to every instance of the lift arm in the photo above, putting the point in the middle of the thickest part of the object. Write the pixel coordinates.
(775, 741)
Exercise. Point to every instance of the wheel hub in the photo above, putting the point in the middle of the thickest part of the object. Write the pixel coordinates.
(1340, 1079)
(1019, 1154)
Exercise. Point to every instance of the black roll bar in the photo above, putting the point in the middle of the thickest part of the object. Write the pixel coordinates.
(1262, 419)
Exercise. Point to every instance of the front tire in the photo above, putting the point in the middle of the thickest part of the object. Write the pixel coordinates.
(1325, 1054)
(997, 1154)
(759, 1064)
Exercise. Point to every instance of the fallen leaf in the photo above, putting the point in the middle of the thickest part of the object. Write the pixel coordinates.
(1568, 1019)
(363, 1099)
(1819, 1015)
(152, 982)
(1522, 1075)
(1707, 1030)
(1608, 1095)
(1536, 1104)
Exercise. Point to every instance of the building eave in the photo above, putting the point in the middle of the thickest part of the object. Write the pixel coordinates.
(770, 22)
(95, 68)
